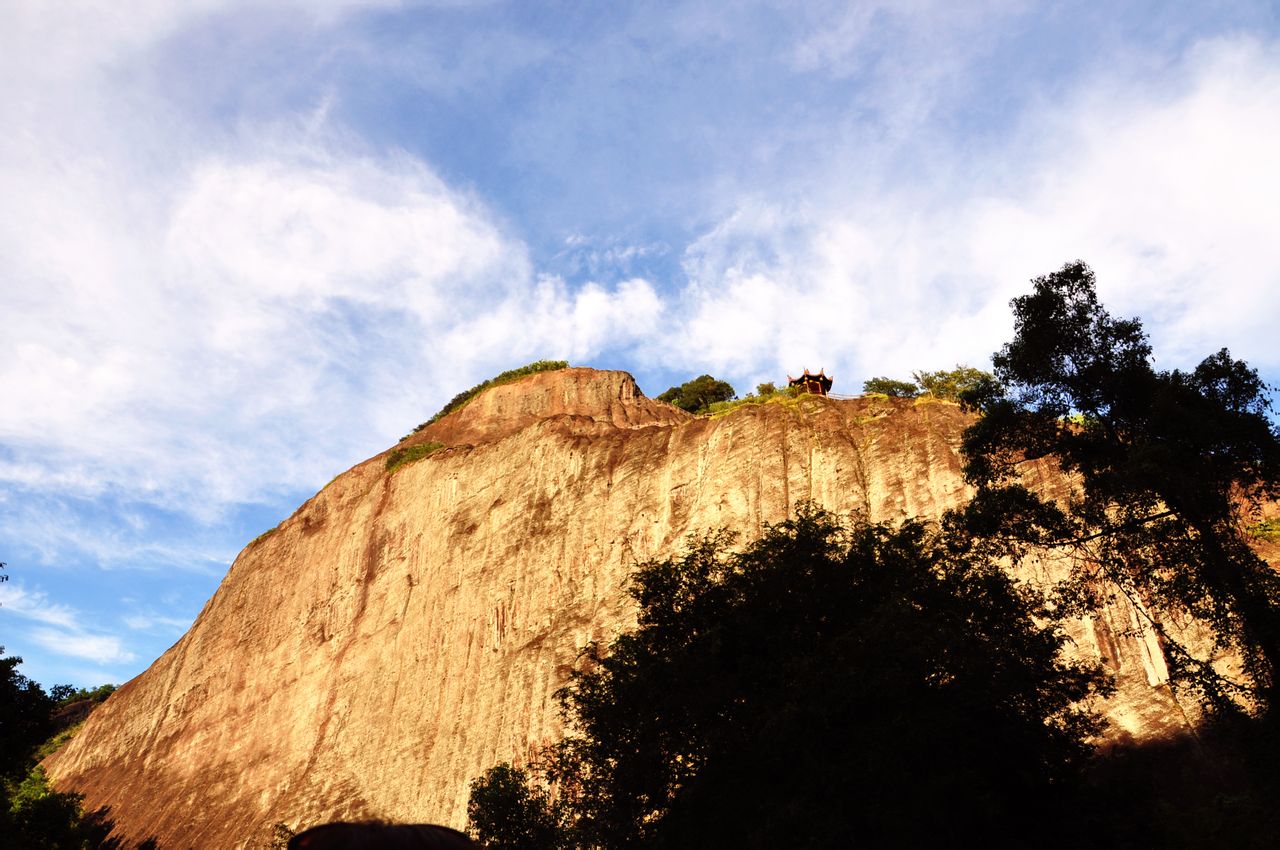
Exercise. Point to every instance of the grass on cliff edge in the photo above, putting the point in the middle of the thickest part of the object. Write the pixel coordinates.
(410, 454)
(460, 400)
(788, 396)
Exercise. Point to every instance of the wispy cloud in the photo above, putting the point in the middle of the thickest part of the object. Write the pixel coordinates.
(149, 620)
(242, 319)
(102, 649)
(60, 628)
(1165, 188)
(245, 245)
(33, 605)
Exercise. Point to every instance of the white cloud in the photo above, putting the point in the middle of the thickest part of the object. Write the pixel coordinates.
(199, 322)
(1170, 195)
(148, 620)
(34, 605)
(1169, 192)
(60, 630)
(273, 312)
(53, 529)
(103, 649)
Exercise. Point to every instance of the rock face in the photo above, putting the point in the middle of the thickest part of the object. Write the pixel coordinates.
(403, 631)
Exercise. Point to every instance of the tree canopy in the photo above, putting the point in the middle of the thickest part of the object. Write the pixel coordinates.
(33, 815)
(825, 686)
(890, 387)
(950, 383)
(1171, 465)
(698, 394)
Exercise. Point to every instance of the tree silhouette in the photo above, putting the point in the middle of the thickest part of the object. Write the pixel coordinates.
(1170, 465)
(823, 687)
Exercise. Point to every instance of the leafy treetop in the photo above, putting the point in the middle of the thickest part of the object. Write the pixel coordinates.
(890, 387)
(697, 395)
(950, 383)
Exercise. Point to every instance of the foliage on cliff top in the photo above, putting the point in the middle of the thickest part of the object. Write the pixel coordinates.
(698, 394)
(946, 384)
(765, 394)
(890, 387)
(460, 400)
(410, 454)
(950, 384)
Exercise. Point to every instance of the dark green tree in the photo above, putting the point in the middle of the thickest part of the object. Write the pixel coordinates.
(33, 815)
(1170, 466)
(824, 687)
(698, 394)
(507, 811)
(26, 718)
(951, 383)
(890, 387)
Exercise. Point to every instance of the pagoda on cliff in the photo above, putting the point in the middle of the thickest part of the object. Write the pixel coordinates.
(818, 384)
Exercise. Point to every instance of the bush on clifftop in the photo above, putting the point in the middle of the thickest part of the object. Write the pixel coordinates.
(697, 395)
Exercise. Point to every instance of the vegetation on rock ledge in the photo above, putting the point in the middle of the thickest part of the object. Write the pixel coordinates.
(410, 454)
(460, 400)
(698, 394)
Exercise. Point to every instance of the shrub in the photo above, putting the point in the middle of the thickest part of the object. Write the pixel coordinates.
(1268, 530)
(508, 812)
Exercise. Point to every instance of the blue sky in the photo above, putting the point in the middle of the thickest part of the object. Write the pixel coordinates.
(245, 245)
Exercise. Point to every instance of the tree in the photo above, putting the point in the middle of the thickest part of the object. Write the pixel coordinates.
(32, 814)
(698, 394)
(825, 686)
(27, 714)
(951, 383)
(64, 695)
(890, 387)
(1170, 465)
(507, 812)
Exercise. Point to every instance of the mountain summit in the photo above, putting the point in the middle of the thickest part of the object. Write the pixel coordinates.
(407, 627)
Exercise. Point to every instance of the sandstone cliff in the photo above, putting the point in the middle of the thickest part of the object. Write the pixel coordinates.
(403, 631)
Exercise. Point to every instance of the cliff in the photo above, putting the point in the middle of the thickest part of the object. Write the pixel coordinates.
(403, 631)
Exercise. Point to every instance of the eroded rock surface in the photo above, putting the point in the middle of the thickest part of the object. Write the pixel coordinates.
(402, 632)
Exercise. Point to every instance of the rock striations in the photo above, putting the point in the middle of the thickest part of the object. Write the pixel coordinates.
(403, 631)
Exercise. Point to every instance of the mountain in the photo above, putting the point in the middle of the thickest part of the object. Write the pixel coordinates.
(406, 628)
